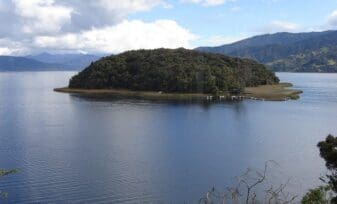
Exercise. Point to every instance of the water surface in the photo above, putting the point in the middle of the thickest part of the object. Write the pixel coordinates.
(125, 151)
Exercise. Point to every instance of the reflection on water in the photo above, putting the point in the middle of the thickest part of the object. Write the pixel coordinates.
(89, 150)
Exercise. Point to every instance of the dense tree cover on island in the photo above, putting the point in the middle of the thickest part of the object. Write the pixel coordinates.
(173, 70)
(295, 52)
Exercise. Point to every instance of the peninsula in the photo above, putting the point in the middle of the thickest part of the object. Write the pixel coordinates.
(178, 74)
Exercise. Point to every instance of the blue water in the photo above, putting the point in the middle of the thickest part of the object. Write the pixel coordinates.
(72, 149)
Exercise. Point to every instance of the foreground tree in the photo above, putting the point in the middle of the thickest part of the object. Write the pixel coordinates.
(320, 195)
(328, 151)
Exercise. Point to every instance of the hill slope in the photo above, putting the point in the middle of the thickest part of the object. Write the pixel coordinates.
(173, 71)
(9, 63)
(305, 52)
(46, 62)
(69, 61)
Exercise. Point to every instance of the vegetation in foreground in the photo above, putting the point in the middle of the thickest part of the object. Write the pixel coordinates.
(173, 71)
(252, 187)
(248, 185)
(327, 193)
(319, 195)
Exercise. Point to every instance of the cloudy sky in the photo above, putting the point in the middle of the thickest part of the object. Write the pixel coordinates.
(113, 26)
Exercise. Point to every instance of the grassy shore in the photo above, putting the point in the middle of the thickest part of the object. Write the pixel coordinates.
(277, 92)
(133, 94)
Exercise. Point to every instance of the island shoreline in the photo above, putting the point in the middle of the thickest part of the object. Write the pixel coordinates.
(277, 92)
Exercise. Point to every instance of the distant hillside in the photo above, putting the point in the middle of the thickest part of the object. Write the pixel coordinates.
(8, 63)
(46, 62)
(298, 52)
(173, 70)
(69, 61)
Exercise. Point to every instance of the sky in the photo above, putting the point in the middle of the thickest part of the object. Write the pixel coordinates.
(114, 26)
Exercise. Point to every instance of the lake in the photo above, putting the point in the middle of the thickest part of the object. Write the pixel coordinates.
(125, 151)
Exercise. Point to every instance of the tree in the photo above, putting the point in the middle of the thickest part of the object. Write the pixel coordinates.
(173, 71)
(317, 196)
(328, 151)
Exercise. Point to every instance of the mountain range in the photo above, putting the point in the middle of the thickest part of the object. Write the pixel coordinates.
(47, 62)
(291, 52)
(294, 52)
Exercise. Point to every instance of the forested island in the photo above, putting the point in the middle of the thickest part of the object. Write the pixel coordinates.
(168, 72)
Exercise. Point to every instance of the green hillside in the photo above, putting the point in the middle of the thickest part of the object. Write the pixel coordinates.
(295, 52)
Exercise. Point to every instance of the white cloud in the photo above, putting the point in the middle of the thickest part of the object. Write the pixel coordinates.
(9, 47)
(332, 19)
(121, 37)
(12, 51)
(131, 5)
(330, 23)
(5, 51)
(41, 16)
(89, 26)
(31, 17)
(102, 13)
(207, 2)
(2, 5)
(280, 26)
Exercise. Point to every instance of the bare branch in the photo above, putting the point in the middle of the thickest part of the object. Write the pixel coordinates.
(247, 182)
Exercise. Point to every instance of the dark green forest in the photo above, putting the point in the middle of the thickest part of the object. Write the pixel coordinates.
(173, 71)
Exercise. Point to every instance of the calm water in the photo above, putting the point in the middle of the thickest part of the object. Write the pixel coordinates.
(123, 151)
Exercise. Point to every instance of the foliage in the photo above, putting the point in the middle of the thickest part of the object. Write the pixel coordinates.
(317, 196)
(173, 71)
(328, 151)
(5, 173)
(321, 60)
